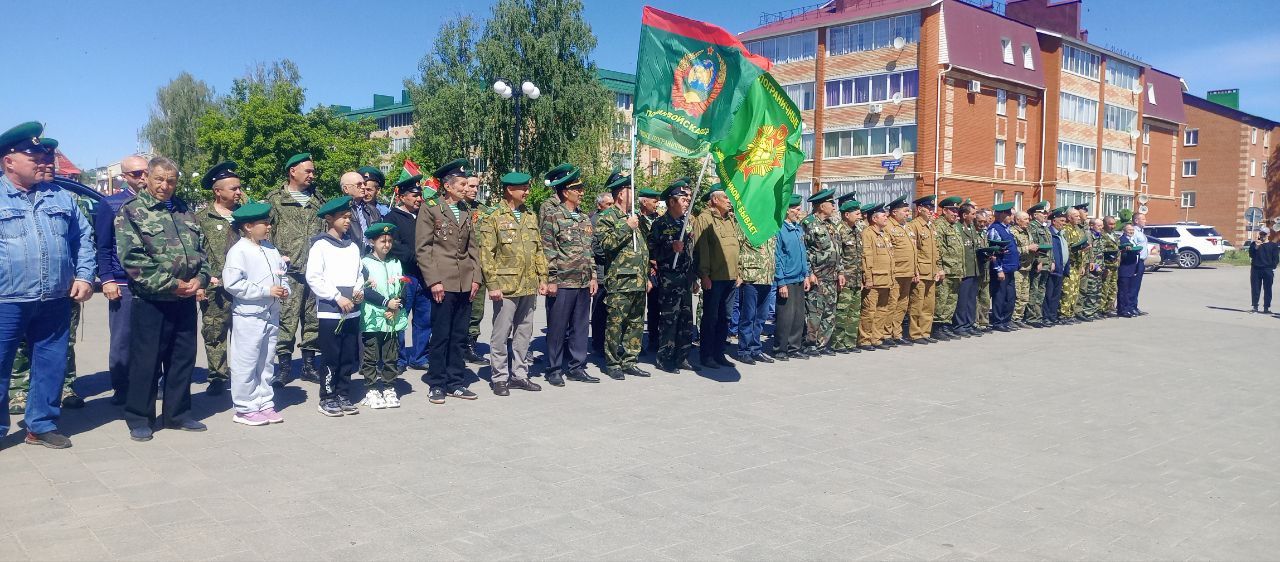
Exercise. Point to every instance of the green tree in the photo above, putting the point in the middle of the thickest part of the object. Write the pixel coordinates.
(448, 98)
(171, 127)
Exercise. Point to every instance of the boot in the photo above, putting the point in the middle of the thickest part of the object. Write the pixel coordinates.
(470, 356)
(282, 376)
(309, 372)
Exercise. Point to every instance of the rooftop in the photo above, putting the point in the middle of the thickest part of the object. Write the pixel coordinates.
(382, 107)
(1228, 112)
(831, 13)
(617, 82)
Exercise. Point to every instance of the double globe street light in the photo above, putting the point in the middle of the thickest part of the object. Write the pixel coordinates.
(527, 90)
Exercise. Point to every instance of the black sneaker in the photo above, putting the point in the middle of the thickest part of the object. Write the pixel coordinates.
(347, 407)
(330, 408)
(435, 395)
(50, 439)
(463, 393)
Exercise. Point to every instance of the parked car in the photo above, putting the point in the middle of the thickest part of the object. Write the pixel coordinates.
(1196, 242)
(1160, 253)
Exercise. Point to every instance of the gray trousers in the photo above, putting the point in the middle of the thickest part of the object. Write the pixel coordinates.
(512, 318)
(251, 360)
(118, 354)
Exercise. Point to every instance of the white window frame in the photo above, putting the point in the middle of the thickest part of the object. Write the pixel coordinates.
(1028, 60)
(1185, 202)
(1001, 146)
(1006, 50)
(1017, 200)
(1126, 79)
(768, 48)
(1002, 99)
(997, 197)
(1084, 156)
(887, 78)
(1253, 168)
(1151, 94)
(807, 139)
(1190, 168)
(1020, 155)
(811, 96)
(1114, 118)
(1078, 109)
(1080, 62)
(839, 43)
(1191, 137)
(1117, 161)
(1144, 173)
(1253, 135)
(870, 132)
(1022, 106)
(1146, 133)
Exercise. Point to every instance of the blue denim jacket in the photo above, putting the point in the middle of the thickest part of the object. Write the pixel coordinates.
(792, 262)
(43, 246)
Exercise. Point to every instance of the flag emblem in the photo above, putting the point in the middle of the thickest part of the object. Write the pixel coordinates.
(699, 77)
(765, 152)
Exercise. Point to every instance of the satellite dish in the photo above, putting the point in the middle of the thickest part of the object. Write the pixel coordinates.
(897, 154)
(1137, 88)
(899, 43)
(1071, 167)
(1142, 209)
(897, 98)
(1134, 134)
(1144, 198)
(1133, 175)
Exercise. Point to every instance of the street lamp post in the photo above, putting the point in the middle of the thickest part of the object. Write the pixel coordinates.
(527, 90)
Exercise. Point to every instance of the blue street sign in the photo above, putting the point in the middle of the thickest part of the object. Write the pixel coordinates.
(891, 165)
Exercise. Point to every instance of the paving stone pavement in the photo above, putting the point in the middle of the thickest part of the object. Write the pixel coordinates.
(1150, 438)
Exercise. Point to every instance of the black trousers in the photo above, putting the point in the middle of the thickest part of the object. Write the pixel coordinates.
(450, 318)
(163, 334)
(1053, 298)
(966, 303)
(567, 330)
(716, 306)
(1125, 304)
(599, 313)
(340, 351)
(1260, 281)
(1137, 285)
(651, 311)
(1003, 298)
(788, 320)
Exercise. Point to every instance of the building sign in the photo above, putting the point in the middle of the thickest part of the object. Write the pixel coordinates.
(891, 165)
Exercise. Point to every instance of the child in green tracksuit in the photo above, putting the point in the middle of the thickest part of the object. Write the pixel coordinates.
(382, 318)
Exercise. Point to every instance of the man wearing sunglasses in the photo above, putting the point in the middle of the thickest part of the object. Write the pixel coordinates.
(46, 252)
(115, 283)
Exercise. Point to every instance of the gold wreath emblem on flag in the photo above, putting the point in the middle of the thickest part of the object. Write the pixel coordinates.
(765, 152)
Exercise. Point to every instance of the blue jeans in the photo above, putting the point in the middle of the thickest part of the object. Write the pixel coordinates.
(417, 302)
(45, 324)
(734, 311)
(753, 305)
(771, 304)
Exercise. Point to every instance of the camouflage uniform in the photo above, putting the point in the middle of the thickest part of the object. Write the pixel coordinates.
(478, 211)
(1110, 242)
(983, 318)
(1071, 284)
(1022, 277)
(1095, 275)
(823, 246)
(215, 310)
(849, 302)
(292, 226)
(651, 302)
(675, 282)
(512, 261)
(1039, 273)
(951, 258)
(626, 257)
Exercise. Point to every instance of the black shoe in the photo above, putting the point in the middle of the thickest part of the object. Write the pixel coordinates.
(931, 339)
(524, 384)
(723, 361)
(117, 398)
(866, 348)
(579, 375)
(470, 356)
(330, 408)
(282, 375)
(71, 401)
(554, 378)
(140, 433)
(309, 371)
(216, 386)
(905, 341)
(669, 369)
(762, 358)
(615, 374)
(882, 346)
(187, 425)
(463, 393)
(50, 439)
(781, 356)
(636, 371)
(827, 351)
(921, 341)
(686, 364)
(435, 396)
(746, 360)
(419, 367)
(1002, 328)
(499, 388)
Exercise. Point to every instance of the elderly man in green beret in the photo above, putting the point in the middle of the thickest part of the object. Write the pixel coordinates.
(951, 258)
(826, 275)
(625, 255)
(215, 303)
(293, 224)
(844, 335)
(1039, 276)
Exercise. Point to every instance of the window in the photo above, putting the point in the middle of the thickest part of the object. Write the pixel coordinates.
(806, 145)
(999, 152)
(1076, 156)
(1020, 154)
(1028, 60)
(1253, 135)
(1066, 196)
(622, 131)
(1022, 106)
(1146, 133)
(872, 89)
(1117, 162)
(1017, 200)
(1122, 74)
(1113, 203)
(655, 168)
(622, 101)
(997, 197)
(871, 191)
(1119, 118)
(1190, 168)
(399, 145)
(1266, 139)
(1002, 98)
(1079, 61)
(1188, 199)
(1144, 173)
(1006, 50)
(1253, 168)
(1191, 137)
(788, 48)
(1078, 109)
(1151, 94)
(871, 35)
(877, 141)
(802, 94)
(395, 120)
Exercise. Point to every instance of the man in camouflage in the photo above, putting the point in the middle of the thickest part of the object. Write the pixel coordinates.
(647, 200)
(163, 253)
(757, 268)
(293, 223)
(671, 248)
(478, 211)
(1071, 284)
(984, 221)
(844, 334)
(951, 258)
(1095, 274)
(215, 301)
(1027, 253)
(625, 255)
(826, 275)
(1039, 277)
(1110, 242)
(571, 277)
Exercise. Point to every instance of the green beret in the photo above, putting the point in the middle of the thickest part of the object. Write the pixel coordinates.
(219, 171)
(898, 203)
(850, 205)
(998, 242)
(1058, 212)
(1002, 207)
(617, 180)
(296, 159)
(1046, 247)
(927, 200)
(515, 178)
(405, 183)
(335, 205)
(456, 167)
(1081, 207)
(796, 200)
(714, 188)
(562, 176)
(250, 212)
(21, 137)
(1081, 244)
(378, 229)
(371, 173)
(676, 188)
(952, 202)
(48, 143)
(851, 196)
(824, 195)
(1038, 207)
(875, 208)
(646, 192)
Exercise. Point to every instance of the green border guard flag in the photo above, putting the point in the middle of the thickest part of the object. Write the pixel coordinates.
(757, 160)
(690, 78)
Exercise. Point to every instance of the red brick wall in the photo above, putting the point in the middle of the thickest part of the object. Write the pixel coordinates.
(1222, 173)
(1162, 171)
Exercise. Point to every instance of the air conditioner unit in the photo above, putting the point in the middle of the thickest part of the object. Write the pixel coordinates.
(877, 107)
(975, 86)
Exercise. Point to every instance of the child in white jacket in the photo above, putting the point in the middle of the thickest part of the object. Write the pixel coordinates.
(336, 278)
(253, 275)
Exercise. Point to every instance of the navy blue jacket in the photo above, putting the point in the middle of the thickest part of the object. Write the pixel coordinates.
(1007, 261)
(1060, 257)
(1129, 262)
(104, 230)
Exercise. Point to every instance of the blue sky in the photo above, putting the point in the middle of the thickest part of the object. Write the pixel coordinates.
(106, 59)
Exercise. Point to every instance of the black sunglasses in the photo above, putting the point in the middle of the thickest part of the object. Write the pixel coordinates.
(136, 174)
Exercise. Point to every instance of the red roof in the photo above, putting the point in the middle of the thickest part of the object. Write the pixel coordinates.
(834, 13)
(63, 166)
(1168, 96)
(974, 43)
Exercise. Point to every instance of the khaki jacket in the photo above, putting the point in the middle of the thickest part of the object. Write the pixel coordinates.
(511, 255)
(877, 259)
(904, 249)
(447, 252)
(926, 248)
(718, 239)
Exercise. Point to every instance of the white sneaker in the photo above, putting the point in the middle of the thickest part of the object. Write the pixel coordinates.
(390, 399)
(373, 399)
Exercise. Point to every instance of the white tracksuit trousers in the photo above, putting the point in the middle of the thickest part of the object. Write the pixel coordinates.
(253, 345)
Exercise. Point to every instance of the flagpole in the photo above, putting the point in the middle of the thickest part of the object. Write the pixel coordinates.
(632, 211)
(706, 161)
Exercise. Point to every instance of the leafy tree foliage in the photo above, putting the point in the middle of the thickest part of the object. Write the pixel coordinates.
(171, 127)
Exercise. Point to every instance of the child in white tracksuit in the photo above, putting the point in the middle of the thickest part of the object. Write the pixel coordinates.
(336, 278)
(254, 276)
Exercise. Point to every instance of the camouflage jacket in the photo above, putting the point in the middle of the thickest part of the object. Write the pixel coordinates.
(951, 248)
(666, 230)
(1040, 235)
(624, 252)
(1074, 235)
(219, 237)
(757, 265)
(1110, 242)
(850, 253)
(1094, 254)
(511, 257)
(293, 225)
(1026, 255)
(566, 241)
(158, 248)
(822, 246)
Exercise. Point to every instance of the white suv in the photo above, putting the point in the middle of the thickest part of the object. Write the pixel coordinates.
(1196, 242)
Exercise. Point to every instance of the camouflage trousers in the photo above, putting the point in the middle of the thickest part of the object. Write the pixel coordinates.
(20, 380)
(1037, 282)
(1091, 293)
(1071, 292)
(924, 299)
(624, 328)
(899, 295)
(675, 320)
(844, 333)
(984, 298)
(1110, 288)
(1021, 293)
(300, 306)
(215, 317)
(477, 314)
(875, 305)
(820, 312)
(944, 308)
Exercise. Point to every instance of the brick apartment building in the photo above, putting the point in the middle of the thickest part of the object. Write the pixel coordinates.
(1225, 156)
(995, 107)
